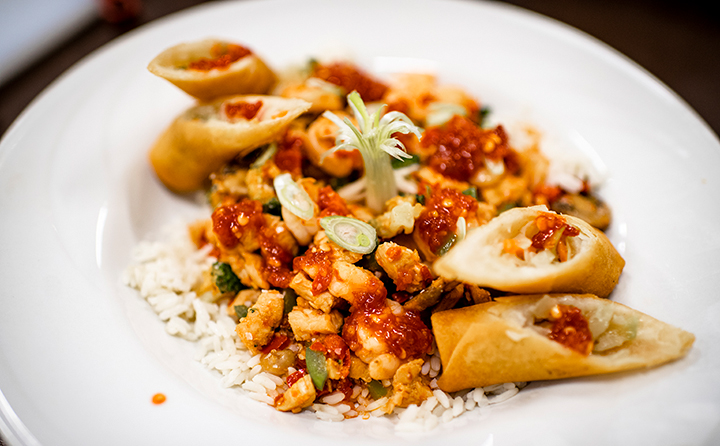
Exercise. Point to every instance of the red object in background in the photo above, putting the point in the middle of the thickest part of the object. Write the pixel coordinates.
(116, 11)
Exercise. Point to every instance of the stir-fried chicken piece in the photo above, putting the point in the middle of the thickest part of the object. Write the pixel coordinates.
(257, 328)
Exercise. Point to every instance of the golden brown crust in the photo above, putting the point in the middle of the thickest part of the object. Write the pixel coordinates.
(200, 140)
(248, 75)
(496, 342)
(593, 268)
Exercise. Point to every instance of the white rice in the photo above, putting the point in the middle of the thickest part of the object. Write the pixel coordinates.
(165, 273)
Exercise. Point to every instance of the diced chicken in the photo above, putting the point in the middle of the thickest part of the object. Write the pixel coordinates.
(383, 366)
(309, 322)
(259, 185)
(409, 386)
(348, 279)
(299, 396)
(257, 328)
(244, 297)
(510, 189)
(359, 369)
(251, 271)
(336, 252)
(399, 217)
(303, 287)
(404, 267)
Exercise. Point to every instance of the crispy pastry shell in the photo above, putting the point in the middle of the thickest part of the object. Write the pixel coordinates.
(200, 141)
(593, 268)
(248, 75)
(496, 342)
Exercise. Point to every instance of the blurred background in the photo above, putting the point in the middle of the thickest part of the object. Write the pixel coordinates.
(677, 41)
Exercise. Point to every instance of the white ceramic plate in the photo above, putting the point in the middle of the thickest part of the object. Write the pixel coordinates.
(81, 355)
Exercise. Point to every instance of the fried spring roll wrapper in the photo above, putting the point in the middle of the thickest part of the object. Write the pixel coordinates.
(593, 265)
(205, 137)
(247, 75)
(504, 341)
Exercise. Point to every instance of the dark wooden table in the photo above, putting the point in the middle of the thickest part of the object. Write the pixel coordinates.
(677, 41)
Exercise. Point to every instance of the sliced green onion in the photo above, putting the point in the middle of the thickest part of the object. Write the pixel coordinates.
(293, 197)
(290, 299)
(377, 390)
(316, 367)
(241, 311)
(441, 112)
(350, 233)
(265, 156)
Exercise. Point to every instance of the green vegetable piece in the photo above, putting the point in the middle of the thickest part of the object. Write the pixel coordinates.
(293, 197)
(350, 233)
(420, 199)
(377, 390)
(483, 115)
(273, 207)
(290, 299)
(225, 279)
(265, 156)
(449, 242)
(400, 163)
(507, 206)
(471, 191)
(316, 367)
(241, 311)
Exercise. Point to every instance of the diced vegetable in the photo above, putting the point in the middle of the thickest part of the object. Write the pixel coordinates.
(377, 390)
(449, 242)
(350, 233)
(290, 298)
(316, 367)
(400, 163)
(272, 207)
(225, 279)
(241, 311)
(471, 191)
(265, 156)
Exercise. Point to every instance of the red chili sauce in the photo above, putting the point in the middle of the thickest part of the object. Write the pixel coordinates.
(572, 330)
(318, 262)
(222, 57)
(289, 155)
(330, 203)
(242, 109)
(406, 335)
(461, 148)
(548, 225)
(351, 78)
(245, 220)
(438, 221)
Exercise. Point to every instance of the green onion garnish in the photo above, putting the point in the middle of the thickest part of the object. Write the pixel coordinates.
(449, 242)
(373, 137)
(350, 233)
(316, 367)
(293, 197)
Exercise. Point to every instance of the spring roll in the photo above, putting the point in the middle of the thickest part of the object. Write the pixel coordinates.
(543, 337)
(207, 136)
(212, 68)
(534, 250)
